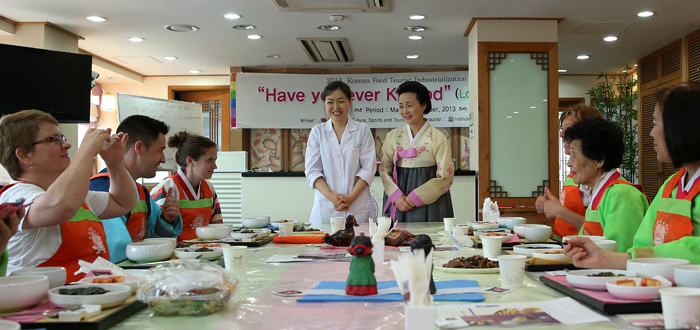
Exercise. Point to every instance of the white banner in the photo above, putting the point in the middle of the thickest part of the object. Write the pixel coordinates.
(268, 100)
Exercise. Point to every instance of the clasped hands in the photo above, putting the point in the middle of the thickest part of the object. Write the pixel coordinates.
(341, 203)
(404, 204)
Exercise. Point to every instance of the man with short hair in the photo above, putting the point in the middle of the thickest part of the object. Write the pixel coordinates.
(144, 154)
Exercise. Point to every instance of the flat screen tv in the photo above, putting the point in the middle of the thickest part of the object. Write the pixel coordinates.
(51, 81)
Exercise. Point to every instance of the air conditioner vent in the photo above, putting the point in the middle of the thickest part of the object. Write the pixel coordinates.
(335, 6)
(331, 50)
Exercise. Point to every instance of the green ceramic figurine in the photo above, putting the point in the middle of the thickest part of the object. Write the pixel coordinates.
(361, 280)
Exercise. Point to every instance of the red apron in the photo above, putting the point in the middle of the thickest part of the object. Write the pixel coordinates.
(136, 224)
(592, 224)
(82, 238)
(673, 219)
(195, 213)
(570, 197)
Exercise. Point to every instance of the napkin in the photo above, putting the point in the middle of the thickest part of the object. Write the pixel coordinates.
(490, 210)
(47, 305)
(306, 238)
(340, 285)
(99, 264)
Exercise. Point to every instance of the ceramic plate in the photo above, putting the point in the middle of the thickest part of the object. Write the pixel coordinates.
(276, 223)
(438, 265)
(506, 236)
(484, 225)
(209, 245)
(185, 253)
(129, 280)
(580, 278)
(527, 249)
(118, 293)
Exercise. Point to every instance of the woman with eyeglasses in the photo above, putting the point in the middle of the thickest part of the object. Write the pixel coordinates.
(62, 225)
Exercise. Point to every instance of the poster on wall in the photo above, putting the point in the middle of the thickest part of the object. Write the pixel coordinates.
(268, 100)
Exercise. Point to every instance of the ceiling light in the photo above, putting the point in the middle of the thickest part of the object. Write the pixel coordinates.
(562, 70)
(273, 56)
(195, 71)
(610, 38)
(232, 16)
(96, 18)
(516, 112)
(109, 100)
(635, 65)
(416, 17)
(415, 37)
(254, 36)
(136, 39)
(509, 117)
(645, 14)
(582, 57)
(243, 27)
(412, 56)
(328, 27)
(414, 28)
(533, 107)
(181, 28)
(170, 58)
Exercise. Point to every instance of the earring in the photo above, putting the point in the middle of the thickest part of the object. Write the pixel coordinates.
(31, 168)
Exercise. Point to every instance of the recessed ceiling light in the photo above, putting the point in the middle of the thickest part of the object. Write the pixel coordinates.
(562, 70)
(328, 27)
(181, 28)
(610, 38)
(195, 71)
(509, 117)
(136, 39)
(416, 17)
(645, 14)
(170, 58)
(533, 107)
(232, 16)
(412, 56)
(96, 18)
(414, 28)
(516, 112)
(415, 37)
(254, 36)
(582, 57)
(273, 56)
(243, 27)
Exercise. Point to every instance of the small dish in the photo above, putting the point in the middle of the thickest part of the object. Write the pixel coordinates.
(510, 222)
(129, 280)
(254, 223)
(550, 254)
(276, 224)
(537, 234)
(527, 249)
(212, 232)
(149, 251)
(520, 229)
(438, 265)
(22, 291)
(688, 275)
(650, 267)
(581, 278)
(190, 253)
(484, 225)
(506, 236)
(118, 293)
(636, 292)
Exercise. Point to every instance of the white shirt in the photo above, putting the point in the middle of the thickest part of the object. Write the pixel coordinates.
(602, 182)
(31, 247)
(341, 164)
(686, 187)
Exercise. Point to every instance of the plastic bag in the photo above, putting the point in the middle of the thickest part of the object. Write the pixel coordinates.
(192, 288)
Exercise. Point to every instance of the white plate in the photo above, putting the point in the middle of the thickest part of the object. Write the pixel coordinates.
(542, 254)
(636, 292)
(580, 278)
(276, 223)
(118, 293)
(524, 250)
(188, 253)
(208, 245)
(438, 265)
(129, 280)
(485, 226)
(506, 236)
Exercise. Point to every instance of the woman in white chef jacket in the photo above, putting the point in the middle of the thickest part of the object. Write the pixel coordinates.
(340, 160)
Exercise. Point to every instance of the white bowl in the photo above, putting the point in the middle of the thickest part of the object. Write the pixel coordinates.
(650, 267)
(118, 293)
(209, 233)
(520, 229)
(512, 221)
(19, 292)
(229, 226)
(527, 249)
(129, 280)
(636, 292)
(149, 251)
(171, 240)
(506, 236)
(542, 254)
(56, 275)
(580, 278)
(501, 221)
(254, 222)
(9, 325)
(537, 234)
(688, 275)
(591, 237)
(276, 223)
(606, 244)
(189, 253)
(485, 225)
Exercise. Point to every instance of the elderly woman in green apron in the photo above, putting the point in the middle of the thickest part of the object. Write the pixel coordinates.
(671, 226)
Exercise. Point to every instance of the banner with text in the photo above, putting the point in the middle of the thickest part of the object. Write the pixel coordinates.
(268, 100)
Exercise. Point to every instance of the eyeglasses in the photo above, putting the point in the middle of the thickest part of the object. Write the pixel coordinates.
(55, 138)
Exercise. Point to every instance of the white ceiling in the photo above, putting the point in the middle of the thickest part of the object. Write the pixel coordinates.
(375, 39)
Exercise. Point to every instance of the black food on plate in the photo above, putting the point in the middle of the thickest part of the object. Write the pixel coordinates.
(605, 274)
(471, 262)
(203, 249)
(84, 291)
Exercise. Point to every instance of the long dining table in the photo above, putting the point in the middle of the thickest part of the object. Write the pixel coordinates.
(254, 306)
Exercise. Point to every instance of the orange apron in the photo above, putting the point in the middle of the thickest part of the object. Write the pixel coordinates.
(592, 224)
(570, 197)
(82, 238)
(195, 213)
(136, 224)
(673, 219)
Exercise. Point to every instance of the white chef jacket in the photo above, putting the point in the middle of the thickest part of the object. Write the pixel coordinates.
(341, 165)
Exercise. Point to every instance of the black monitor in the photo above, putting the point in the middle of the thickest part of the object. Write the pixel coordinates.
(55, 82)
